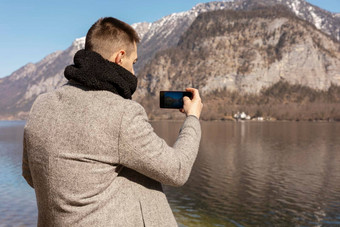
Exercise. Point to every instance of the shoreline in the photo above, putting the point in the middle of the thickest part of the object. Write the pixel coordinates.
(219, 120)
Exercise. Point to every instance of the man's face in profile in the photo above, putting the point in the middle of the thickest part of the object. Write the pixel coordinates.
(130, 59)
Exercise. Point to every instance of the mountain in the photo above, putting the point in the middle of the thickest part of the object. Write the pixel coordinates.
(166, 32)
(233, 55)
(245, 51)
(19, 90)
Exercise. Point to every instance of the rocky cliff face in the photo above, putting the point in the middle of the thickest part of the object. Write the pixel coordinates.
(166, 32)
(245, 51)
(322, 19)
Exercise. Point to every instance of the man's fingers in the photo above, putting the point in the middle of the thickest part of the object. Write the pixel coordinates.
(194, 105)
(194, 92)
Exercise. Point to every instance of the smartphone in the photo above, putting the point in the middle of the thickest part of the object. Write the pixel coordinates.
(173, 99)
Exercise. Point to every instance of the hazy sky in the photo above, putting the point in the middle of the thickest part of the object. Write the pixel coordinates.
(30, 30)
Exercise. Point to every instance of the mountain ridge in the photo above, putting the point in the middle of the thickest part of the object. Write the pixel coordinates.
(260, 41)
(244, 60)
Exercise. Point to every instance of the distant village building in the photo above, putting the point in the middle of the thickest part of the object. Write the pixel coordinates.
(241, 116)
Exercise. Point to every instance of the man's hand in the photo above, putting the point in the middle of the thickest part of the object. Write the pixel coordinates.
(192, 106)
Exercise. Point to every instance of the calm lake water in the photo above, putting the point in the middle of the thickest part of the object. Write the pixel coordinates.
(246, 174)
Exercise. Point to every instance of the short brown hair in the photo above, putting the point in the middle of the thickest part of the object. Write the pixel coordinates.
(108, 35)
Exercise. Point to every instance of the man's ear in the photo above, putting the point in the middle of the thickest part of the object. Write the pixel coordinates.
(119, 57)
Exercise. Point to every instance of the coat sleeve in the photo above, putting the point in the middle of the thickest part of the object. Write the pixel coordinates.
(142, 150)
(26, 173)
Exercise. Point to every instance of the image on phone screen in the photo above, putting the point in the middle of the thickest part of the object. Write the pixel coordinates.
(173, 99)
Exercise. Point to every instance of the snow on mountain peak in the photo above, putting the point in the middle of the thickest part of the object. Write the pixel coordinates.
(317, 20)
(295, 6)
(165, 26)
(141, 28)
(79, 43)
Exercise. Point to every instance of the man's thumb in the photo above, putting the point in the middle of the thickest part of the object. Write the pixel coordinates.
(186, 99)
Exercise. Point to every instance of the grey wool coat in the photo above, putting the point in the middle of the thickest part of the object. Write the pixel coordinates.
(93, 159)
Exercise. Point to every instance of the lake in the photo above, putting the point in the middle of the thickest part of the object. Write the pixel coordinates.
(246, 174)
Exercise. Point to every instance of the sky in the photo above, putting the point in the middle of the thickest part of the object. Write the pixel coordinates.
(30, 30)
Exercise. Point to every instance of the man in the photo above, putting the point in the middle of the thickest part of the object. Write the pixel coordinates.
(89, 151)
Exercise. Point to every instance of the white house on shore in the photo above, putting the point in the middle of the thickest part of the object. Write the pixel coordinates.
(241, 116)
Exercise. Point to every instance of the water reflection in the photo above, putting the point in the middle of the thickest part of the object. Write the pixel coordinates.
(246, 173)
(17, 200)
(258, 173)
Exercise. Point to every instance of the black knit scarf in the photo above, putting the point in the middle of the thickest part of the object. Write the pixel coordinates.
(93, 71)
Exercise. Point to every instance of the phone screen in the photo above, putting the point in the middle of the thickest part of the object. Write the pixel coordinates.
(173, 99)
